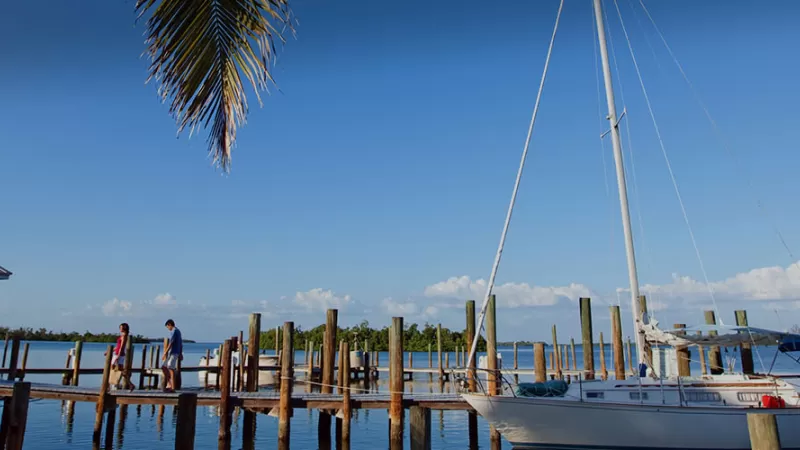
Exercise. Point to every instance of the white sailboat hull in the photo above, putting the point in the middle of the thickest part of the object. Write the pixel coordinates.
(570, 424)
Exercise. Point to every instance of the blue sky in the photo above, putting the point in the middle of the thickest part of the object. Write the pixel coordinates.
(384, 166)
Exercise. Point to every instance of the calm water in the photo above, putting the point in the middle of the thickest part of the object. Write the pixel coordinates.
(145, 428)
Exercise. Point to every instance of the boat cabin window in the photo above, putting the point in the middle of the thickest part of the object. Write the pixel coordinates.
(752, 397)
(595, 394)
(635, 395)
(702, 396)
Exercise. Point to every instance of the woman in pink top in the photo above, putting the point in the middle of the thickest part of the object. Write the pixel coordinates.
(118, 358)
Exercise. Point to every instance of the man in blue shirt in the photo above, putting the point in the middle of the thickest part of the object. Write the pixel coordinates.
(173, 352)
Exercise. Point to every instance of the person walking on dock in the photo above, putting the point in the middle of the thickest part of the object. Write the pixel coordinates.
(118, 359)
(173, 352)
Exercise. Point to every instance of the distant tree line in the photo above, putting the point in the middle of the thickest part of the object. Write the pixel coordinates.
(42, 334)
(416, 339)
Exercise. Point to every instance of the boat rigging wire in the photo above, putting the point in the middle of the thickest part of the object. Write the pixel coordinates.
(498, 255)
(669, 166)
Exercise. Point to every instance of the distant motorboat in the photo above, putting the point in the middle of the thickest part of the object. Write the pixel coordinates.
(265, 376)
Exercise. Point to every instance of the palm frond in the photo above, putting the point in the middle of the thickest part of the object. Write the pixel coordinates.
(199, 52)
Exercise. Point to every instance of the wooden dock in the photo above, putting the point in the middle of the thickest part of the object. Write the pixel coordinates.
(236, 387)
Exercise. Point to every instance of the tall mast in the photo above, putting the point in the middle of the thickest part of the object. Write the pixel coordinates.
(623, 191)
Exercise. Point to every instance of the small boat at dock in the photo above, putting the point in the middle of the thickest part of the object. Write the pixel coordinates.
(265, 376)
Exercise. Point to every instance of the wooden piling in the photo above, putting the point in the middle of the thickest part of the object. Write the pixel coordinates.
(616, 344)
(346, 405)
(702, 352)
(101, 397)
(420, 418)
(253, 344)
(16, 418)
(746, 348)
(127, 368)
(277, 340)
(76, 368)
(630, 357)
(493, 379)
(65, 377)
(603, 369)
(142, 374)
(714, 354)
(396, 384)
(208, 365)
(5, 350)
(439, 350)
(557, 355)
(224, 382)
(185, 424)
(340, 374)
(240, 374)
(682, 352)
(763, 429)
(218, 379)
(328, 362)
(24, 360)
(287, 381)
(539, 363)
(565, 352)
(13, 360)
(472, 416)
(586, 338)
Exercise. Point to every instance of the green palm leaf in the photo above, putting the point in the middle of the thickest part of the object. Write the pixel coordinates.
(199, 50)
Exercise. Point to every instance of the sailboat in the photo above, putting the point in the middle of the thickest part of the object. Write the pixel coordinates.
(652, 409)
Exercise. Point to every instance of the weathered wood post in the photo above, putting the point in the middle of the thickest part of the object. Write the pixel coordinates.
(746, 349)
(5, 350)
(127, 368)
(714, 354)
(516, 364)
(328, 361)
(66, 376)
(277, 340)
(253, 344)
(396, 384)
(472, 416)
(240, 374)
(682, 351)
(13, 361)
(346, 405)
(539, 363)
(565, 352)
(630, 356)
(430, 355)
(143, 374)
(14, 422)
(493, 375)
(557, 351)
(218, 379)
(420, 418)
(702, 352)
(439, 350)
(586, 338)
(616, 344)
(185, 424)
(224, 382)
(76, 368)
(763, 430)
(603, 369)
(287, 382)
(101, 397)
(340, 389)
(25, 360)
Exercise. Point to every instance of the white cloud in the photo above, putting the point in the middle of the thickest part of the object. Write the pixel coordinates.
(318, 299)
(510, 295)
(773, 284)
(762, 284)
(117, 307)
(396, 308)
(165, 299)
